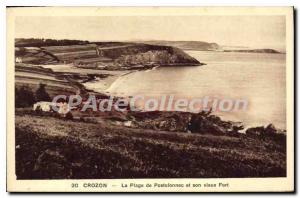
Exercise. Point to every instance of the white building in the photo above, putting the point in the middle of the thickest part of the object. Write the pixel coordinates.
(18, 60)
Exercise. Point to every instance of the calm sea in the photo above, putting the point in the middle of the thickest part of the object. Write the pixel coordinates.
(257, 78)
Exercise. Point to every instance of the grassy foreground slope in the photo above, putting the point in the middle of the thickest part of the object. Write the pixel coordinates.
(48, 147)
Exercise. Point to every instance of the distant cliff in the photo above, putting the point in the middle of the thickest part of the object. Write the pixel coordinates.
(187, 45)
(206, 46)
(271, 51)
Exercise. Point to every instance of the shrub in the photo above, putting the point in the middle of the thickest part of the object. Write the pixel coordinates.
(41, 94)
(69, 116)
(24, 97)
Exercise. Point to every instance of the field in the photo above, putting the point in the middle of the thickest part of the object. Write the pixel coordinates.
(32, 76)
(64, 79)
(69, 149)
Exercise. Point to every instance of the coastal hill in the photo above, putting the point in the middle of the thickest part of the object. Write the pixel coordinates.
(206, 46)
(187, 45)
(270, 51)
(102, 55)
(116, 55)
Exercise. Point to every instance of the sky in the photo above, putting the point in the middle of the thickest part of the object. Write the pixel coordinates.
(251, 31)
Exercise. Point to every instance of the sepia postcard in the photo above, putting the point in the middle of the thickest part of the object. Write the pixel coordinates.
(150, 99)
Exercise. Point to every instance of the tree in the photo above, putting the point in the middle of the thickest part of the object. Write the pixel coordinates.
(41, 94)
(24, 97)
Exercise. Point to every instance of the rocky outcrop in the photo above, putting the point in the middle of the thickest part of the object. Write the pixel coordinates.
(157, 58)
(268, 132)
(142, 54)
(202, 122)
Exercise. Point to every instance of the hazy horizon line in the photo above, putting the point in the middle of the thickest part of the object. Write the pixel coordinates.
(281, 48)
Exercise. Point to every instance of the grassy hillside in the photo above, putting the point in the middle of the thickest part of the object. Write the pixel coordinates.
(104, 55)
(32, 76)
(68, 149)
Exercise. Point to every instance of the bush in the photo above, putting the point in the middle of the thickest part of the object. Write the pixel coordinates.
(69, 116)
(268, 132)
(24, 97)
(204, 122)
(41, 94)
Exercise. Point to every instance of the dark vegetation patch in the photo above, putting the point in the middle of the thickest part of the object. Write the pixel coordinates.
(33, 42)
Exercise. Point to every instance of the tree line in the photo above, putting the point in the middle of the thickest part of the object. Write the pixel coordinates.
(33, 42)
(25, 97)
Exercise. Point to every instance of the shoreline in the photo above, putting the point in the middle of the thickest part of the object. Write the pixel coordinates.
(103, 84)
(108, 77)
(96, 85)
(109, 80)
